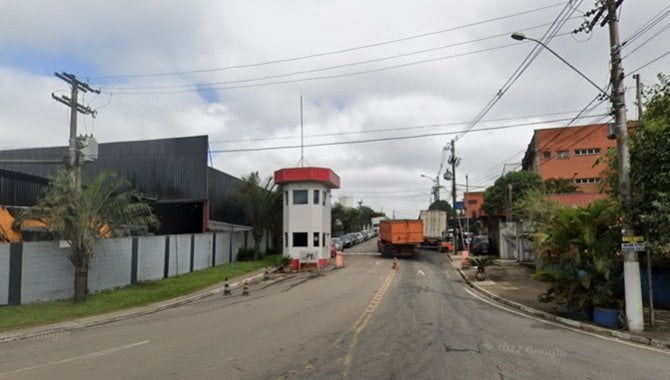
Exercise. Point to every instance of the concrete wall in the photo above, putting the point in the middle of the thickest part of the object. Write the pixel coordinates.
(4, 274)
(151, 258)
(111, 264)
(513, 242)
(46, 273)
(202, 257)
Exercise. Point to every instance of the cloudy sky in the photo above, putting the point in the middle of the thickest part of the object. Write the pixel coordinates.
(386, 84)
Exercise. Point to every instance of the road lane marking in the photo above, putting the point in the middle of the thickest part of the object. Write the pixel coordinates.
(633, 344)
(420, 273)
(92, 355)
(362, 321)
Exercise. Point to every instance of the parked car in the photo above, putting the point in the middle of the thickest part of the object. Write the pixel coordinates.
(480, 245)
(338, 243)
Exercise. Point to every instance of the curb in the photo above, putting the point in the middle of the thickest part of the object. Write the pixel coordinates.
(59, 329)
(566, 321)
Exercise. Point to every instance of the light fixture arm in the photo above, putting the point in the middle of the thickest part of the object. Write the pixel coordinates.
(520, 37)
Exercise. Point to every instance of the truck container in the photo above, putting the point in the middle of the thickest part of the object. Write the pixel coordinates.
(434, 226)
(400, 237)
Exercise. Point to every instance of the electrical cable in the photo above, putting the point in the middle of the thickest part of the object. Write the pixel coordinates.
(309, 79)
(388, 129)
(327, 53)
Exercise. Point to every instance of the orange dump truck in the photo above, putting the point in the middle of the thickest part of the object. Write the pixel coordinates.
(400, 237)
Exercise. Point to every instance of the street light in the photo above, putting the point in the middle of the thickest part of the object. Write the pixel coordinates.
(436, 186)
(631, 264)
(520, 37)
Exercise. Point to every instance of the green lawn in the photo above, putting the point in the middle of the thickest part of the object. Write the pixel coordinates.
(14, 317)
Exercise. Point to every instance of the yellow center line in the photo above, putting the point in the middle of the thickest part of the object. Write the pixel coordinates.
(358, 327)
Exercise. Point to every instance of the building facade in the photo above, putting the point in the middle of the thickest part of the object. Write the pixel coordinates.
(573, 153)
(473, 202)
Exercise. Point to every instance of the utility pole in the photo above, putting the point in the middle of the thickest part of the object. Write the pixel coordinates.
(631, 263)
(465, 204)
(453, 160)
(74, 164)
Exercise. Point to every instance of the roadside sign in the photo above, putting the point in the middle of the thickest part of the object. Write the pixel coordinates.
(632, 239)
(308, 257)
(632, 247)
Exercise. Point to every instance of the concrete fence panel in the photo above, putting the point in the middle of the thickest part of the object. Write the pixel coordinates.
(202, 251)
(238, 242)
(223, 248)
(4, 273)
(111, 265)
(182, 252)
(41, 271)
(48, 274)
(151, 256)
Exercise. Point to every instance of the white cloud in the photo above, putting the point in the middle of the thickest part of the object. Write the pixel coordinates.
(160, 36)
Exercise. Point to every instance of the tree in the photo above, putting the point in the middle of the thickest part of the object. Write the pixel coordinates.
(441, 205)
(260, 204)
(345, 220)
(496, 196)
(83, 215)
(650, 170)
(559, 186)
(577, 246)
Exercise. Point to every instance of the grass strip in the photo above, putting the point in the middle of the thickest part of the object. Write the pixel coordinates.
(22, 316)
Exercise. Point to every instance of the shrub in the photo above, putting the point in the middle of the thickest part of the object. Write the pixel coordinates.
(245, 254)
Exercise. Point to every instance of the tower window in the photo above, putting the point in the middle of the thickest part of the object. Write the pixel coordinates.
(300, 197)
(300, 239)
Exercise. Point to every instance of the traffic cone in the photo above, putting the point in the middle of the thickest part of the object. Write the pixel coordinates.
(465, 260)
(245, 289)
(226, 288)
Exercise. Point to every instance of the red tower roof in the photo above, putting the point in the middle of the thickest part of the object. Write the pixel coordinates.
(308, 174)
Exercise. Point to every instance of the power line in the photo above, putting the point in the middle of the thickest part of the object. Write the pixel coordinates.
(496, 167)
(379, 139)
(207, 85)
(323, 77)
(327, 53)
(558, 22)
(648, 63)
(389, 129)
(647, 26)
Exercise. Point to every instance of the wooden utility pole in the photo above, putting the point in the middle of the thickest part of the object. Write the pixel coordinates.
(74, 164)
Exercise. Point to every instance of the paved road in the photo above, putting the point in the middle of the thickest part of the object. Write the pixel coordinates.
(361, 322)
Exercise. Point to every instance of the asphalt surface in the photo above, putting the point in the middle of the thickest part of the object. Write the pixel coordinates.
(364, 321)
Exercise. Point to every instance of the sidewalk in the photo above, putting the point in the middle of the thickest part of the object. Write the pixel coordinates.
(511, 283)
(59, 329)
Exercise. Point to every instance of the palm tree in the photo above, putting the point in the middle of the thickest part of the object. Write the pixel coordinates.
(260, 204)
(83, 215)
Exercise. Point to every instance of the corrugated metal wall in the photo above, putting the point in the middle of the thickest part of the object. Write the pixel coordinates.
(221, 207)
(164, 169)
(17, 189)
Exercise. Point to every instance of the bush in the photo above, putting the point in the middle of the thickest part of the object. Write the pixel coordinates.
(245, 254)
